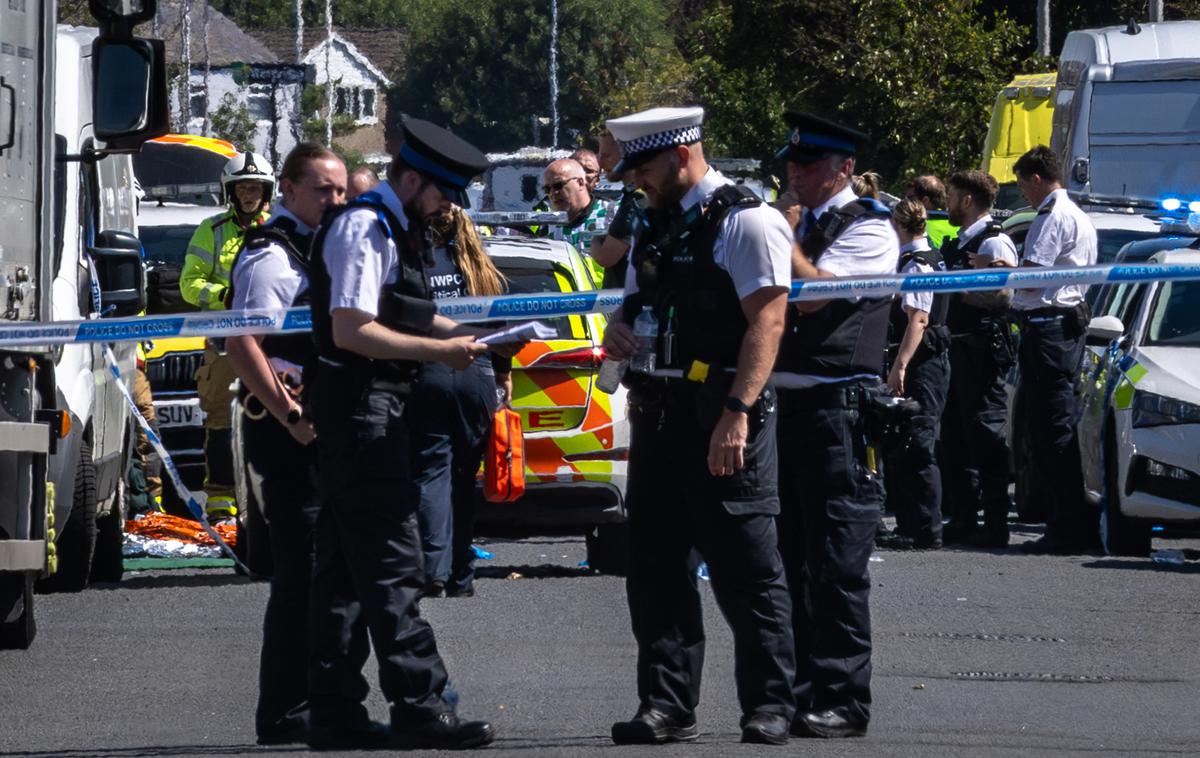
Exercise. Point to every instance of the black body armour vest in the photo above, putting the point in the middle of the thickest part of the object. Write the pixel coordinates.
(941, 300)
(674, 265)
(964, 318)
(844, 337)
(296, 348)
(404, 305)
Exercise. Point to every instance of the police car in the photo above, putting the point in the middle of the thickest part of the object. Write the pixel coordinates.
(1139, 432)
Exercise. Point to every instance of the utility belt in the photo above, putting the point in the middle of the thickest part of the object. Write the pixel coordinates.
(365, 376)
(1075, 318)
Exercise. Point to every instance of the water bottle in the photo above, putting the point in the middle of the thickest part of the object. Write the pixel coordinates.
(612, 371)
(645, 330)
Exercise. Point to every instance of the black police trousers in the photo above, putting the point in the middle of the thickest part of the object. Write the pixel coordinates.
(677, 505)
(914, 481)
(450, 413)
(974, 452)
(283, 479)
(368, 545)
(831, 506)
(1049, 358)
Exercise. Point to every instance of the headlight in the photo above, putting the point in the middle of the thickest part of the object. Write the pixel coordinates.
(1156, 410)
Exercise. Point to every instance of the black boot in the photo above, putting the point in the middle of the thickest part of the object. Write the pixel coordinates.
(446, 731)
(653, 727)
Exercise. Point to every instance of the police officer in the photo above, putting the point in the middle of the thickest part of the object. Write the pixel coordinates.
(373, 324)
(629, 216)
(713, 273)
(920, 371)
(929, 191)
(247, 184)
(1053, 324)
(974, 451)
(832, 498)
(271, 273)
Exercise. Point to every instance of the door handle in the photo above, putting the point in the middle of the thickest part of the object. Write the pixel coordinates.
(12, 115)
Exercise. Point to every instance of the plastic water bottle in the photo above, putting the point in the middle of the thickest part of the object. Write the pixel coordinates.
(612, 371)
(645, 330)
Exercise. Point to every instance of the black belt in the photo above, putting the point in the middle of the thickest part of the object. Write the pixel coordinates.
(1044, 313)
(824, 396)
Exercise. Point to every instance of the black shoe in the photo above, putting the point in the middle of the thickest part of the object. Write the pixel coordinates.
(765, 729)
(653, 727)
(894, 541)
(831, 724)
(445, 732)
(956, 533)
(989, 539)
(434, 589)
(468, 592)
(1055, 546)
(927, 543)
(284, 732)
(369, 735)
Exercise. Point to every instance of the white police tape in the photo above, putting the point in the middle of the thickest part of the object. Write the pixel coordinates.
(555, 304)
(168, 462)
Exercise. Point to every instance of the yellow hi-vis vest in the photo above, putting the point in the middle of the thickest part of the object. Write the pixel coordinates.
(209, 260)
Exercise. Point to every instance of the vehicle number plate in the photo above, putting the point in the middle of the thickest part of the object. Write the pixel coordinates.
(178, 414)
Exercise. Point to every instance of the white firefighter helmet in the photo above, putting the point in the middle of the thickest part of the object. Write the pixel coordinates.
(247, 167)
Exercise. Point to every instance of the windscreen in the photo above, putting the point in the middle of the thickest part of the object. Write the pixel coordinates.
(528, 276)
(166, 244)
(1175, 319)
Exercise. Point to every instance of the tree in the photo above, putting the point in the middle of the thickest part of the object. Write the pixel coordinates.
(232, 123)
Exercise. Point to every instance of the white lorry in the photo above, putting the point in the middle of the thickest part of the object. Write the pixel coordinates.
(73, 103)
(1126, 123)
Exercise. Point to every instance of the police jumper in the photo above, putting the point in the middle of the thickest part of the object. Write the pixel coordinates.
(845, 339)
(387, 280)
(918, 257)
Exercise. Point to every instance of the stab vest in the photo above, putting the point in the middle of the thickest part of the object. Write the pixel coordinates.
(295, 348)
(962, 317)
(404, 305)
(941, 300)
(674, 266)
(844, 337)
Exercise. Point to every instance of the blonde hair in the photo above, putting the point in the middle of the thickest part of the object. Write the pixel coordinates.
(909, 216)
(865, 184)
(457, 232)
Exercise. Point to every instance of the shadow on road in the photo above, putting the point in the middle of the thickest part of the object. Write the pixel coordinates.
(172, 579)
(543, 571)
(1144, 564)
(150, 751)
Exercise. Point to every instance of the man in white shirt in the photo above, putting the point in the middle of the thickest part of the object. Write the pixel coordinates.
(982, 350)
(1053, 325)
(712, 272)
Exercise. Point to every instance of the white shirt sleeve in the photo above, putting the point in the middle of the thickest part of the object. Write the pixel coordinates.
(755, 247)
(360, 260)
(869, 247)
(264, 278)
(999, 248)
(1043, 244)
(921, 301)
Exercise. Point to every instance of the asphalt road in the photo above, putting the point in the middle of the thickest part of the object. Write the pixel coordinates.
(977, 653)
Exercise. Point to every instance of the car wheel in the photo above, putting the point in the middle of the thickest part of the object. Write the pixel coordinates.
(1120, 534)
(108, 563)
(608, 549)
(17, 625)
(76, 545)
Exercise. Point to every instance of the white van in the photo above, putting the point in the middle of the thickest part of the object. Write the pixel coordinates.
(1126, 114)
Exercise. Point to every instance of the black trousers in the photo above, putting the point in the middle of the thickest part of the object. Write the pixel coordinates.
(914, 481)
(368, 544)
(677, 505)
(831, 506)
(283, 475)
(974, 452)
(1049, 358)
(450, 413)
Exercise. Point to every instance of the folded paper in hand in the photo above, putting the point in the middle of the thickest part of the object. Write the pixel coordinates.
(527, 330)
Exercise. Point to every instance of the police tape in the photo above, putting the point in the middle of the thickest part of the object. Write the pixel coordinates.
(556, 304)
(172, 470)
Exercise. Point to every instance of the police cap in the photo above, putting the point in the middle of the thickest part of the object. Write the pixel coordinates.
(811, 138)
(646, 134)
(448, 161)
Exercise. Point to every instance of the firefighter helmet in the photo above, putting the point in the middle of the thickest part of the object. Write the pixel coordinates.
(247, 167)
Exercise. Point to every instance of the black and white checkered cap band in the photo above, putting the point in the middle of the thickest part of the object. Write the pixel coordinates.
(684, 135)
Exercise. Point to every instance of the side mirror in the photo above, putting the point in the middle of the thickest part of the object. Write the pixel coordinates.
(129, 100)
(1102, 330)
(121, 274)
(131, 12)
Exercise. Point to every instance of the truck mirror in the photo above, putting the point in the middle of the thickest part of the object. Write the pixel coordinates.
(120, 272)
(130, 95)
(129, 11)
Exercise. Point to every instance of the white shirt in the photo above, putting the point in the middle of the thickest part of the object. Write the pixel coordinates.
(754, 244)
(359, 256)
(869, 246)
(921, 301)
(1000, 247)
(266, 277)
(1061, 235)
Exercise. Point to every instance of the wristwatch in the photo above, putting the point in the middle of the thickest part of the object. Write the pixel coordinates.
(294, 413)
(737, 406)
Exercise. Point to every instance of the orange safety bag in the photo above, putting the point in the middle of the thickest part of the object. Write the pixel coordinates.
(504, 459)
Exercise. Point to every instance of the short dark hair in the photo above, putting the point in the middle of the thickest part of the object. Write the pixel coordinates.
(929, 187)
(980, 185)
(295, 165)
(1042, 161)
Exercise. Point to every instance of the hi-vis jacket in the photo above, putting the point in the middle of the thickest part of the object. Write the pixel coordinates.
(209, 260)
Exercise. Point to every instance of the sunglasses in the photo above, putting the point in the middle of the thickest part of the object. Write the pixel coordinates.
(558, 186)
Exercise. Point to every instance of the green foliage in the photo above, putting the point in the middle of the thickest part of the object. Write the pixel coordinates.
(232, 123)
(312, 108)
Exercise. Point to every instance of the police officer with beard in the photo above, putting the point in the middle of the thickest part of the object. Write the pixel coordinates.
(832, 499)
(712, 269)
(373, 324)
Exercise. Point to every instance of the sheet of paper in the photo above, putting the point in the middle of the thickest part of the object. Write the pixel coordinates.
(526, 330)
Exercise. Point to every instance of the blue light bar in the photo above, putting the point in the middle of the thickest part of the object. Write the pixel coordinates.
(1194, 206)
(1172, 204)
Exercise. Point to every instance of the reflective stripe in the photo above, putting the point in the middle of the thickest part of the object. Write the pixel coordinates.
(207, 292)
(201, 253)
